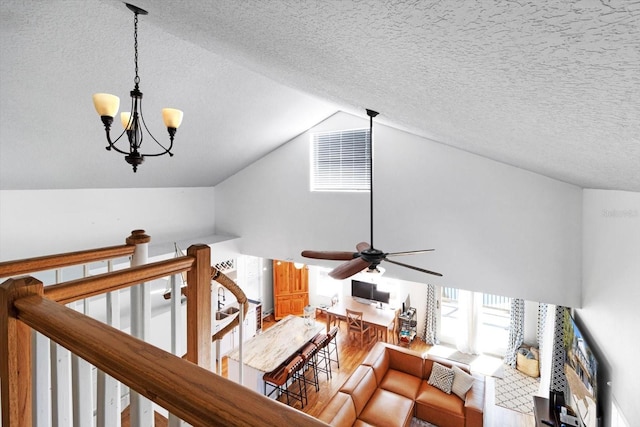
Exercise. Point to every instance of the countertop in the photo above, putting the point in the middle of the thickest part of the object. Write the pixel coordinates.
(266, 351)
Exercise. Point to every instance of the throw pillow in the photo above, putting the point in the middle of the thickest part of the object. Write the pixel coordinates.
(462, 382)
(441, 377)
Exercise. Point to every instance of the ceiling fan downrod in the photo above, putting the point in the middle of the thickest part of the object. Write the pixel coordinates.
(371, 115)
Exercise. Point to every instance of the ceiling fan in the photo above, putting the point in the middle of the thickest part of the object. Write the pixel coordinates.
(366, 256)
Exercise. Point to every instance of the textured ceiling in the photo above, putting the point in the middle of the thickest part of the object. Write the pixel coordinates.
(549, 86)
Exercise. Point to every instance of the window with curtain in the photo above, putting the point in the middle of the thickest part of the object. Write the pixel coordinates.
(490, 321)
(340, 160)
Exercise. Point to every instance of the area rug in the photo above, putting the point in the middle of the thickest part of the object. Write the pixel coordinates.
(416, 422)
(515, 390)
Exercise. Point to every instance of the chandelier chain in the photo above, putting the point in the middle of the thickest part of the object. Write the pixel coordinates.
(136, 80)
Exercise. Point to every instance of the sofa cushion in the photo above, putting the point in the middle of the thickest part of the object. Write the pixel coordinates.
(401, 383)
(462, 382)
(361, 385)
(383, 357)
(441, 377)
(439, 408)
(378, 359)
(340, 411)
(405, 360)
(388, 409)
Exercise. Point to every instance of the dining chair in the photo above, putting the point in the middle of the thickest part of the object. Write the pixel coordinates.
(394, 330)
(356, 326)
(336, 320)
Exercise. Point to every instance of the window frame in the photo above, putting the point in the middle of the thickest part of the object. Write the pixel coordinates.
(349, 151)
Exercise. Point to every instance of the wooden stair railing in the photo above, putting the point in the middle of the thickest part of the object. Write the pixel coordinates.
(195, 394)
(75, 290)
(196, 265)
(51, 262)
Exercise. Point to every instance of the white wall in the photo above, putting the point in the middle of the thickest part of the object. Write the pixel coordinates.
(495, 228)
(611, 289)
(42, 222)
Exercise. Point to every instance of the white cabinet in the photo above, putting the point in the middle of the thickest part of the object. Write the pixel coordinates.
(249, 270)
(250, 323)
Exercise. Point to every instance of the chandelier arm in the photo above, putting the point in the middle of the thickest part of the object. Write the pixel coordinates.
(112, 144)
(166, 150)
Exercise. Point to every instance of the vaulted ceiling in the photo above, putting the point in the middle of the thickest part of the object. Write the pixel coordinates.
(551, 86)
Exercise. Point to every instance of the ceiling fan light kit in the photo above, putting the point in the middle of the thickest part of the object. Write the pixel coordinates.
(366, 257)
(107, 106)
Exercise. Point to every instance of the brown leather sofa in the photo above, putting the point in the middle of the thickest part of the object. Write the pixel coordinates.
(390, 387)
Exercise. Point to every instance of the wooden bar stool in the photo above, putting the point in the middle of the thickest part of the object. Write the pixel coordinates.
(308, 354)
(279, 379)
(323, 364)
(332, 345)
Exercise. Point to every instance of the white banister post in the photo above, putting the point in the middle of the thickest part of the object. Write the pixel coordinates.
(41, 363)
(61, 411)
(176, 330)
(240, 344)
(82, 380)
(108, 389)
(141, 408)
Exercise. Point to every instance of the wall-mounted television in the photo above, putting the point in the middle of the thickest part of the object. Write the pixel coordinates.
(581, 370)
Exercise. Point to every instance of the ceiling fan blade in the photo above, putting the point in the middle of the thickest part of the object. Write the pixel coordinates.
(410, 252)
(414, 268)
(333, 255)
(362, 246)
(349, 268)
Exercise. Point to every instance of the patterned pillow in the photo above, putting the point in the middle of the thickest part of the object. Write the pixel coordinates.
(462, 382)
(441, 377)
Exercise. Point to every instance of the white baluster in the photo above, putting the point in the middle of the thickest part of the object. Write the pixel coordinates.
(141, 408)
(108, 389)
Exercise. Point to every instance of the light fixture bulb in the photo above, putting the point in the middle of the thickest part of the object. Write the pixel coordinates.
(106, 104)
(172, 117)
(125, 119)
(298, 265)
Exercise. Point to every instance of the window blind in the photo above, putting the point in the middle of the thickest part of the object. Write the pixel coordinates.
(340, 160)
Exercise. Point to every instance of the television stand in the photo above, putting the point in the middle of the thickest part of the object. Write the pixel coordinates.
(543, 412)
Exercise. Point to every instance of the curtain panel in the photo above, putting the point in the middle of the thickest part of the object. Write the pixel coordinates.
(516, 331)
(431, 318)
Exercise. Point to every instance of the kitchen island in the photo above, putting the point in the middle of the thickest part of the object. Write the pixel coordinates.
(265, 352)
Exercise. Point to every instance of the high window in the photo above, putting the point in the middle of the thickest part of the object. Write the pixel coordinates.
(340, 161)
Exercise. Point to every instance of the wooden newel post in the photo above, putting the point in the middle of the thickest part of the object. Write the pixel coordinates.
(15, 353)
(199, 307)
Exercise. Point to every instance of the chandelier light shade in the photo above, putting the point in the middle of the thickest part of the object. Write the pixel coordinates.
(107, 106)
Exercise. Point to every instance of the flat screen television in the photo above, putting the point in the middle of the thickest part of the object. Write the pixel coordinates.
(362, 290)
(581, 370)
(381, 296)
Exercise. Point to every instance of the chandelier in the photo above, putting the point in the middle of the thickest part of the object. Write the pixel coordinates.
(107, 106)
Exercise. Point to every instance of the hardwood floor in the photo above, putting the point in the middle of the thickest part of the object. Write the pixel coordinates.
(351, 355)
